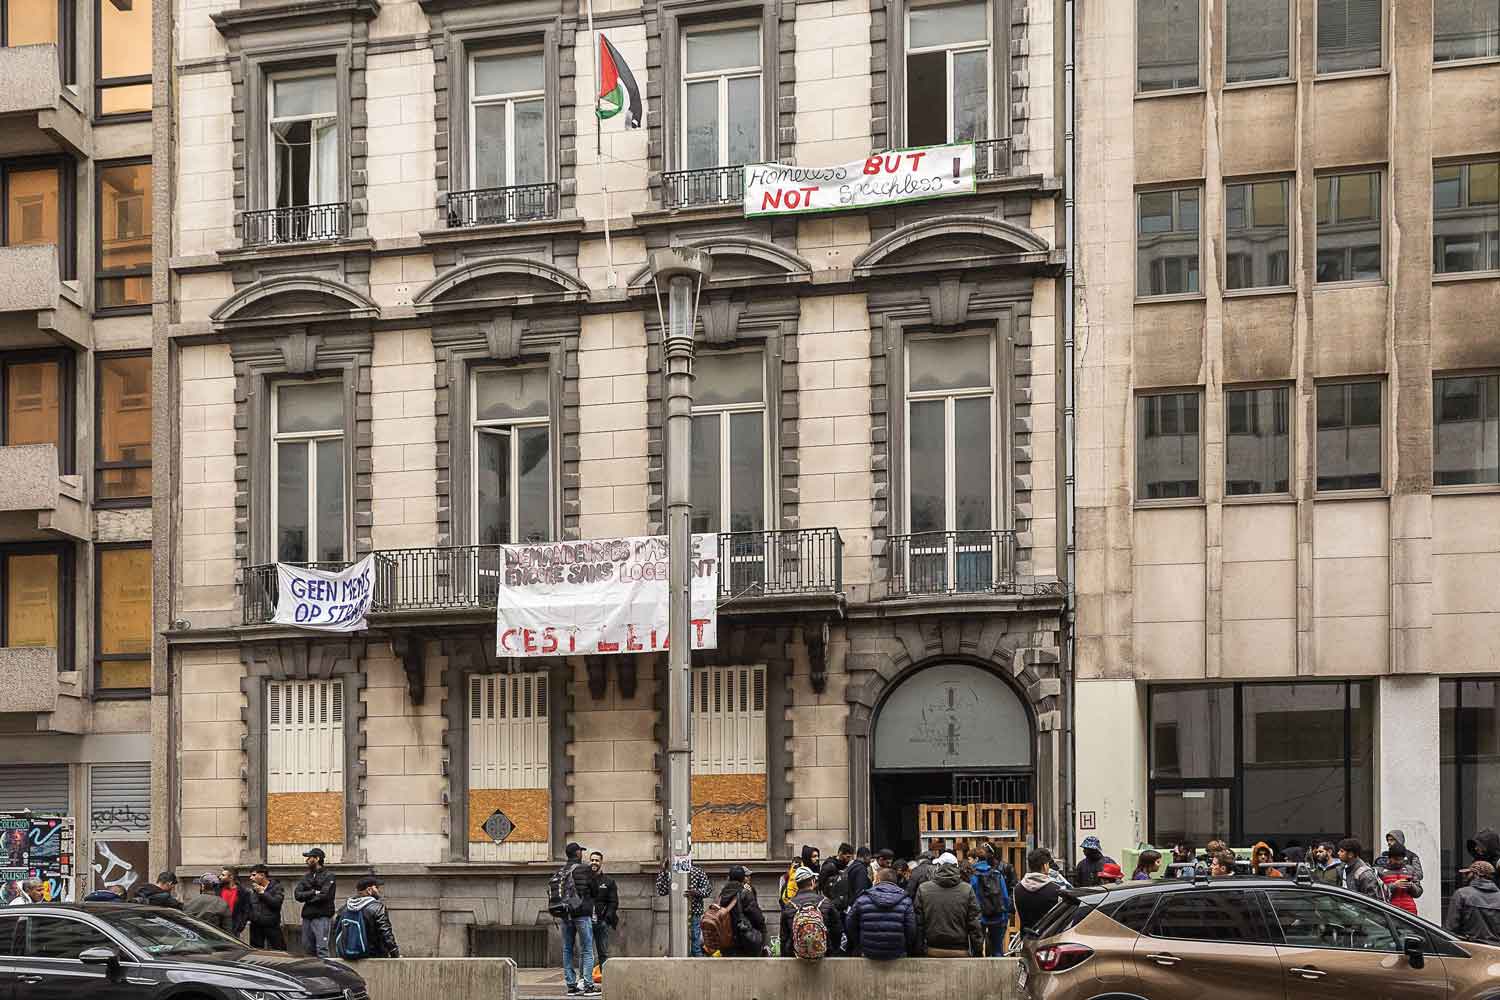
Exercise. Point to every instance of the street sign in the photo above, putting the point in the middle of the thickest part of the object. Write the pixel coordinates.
(499, 826)
(1086, 821)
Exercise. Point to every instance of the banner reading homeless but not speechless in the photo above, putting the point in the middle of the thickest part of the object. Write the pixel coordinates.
(607, 596)
(318, 599)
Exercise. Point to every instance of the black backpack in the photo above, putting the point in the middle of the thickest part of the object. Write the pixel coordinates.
(562, 892)
(993, 899)
(837, 889)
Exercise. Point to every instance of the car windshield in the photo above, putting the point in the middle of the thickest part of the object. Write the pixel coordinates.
(167, 934)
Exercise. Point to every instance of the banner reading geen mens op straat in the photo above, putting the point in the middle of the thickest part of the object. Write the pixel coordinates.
(328, 601)
(603, 596)
(880, 179)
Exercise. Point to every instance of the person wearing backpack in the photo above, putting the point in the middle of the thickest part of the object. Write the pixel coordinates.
(948, 913)
(316, 893)
(735, 927)
(993, 897)
(362, 928)
(811, 927)
(882, 922)
(833, 878)
(570, 898)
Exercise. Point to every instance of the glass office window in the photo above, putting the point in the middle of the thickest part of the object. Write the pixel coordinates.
(1167, 45)
(1167, 242)
(1350, 444)
(124, 61)
(1257, 440)
(1466, 430)
(1168, 446)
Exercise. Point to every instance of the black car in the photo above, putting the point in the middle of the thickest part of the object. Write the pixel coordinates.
(126, 951)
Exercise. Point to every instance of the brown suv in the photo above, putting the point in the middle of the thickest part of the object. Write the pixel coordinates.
(1246, 937)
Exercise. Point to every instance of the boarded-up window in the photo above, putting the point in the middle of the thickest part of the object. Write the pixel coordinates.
(1166, 35)
(1349, 35)
(509, 766)
(31, 589)
(304, 769)
(729, 762)
(124, 618)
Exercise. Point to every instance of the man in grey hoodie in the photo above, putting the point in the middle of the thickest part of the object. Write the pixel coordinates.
(1474, 913)
(1413, 863)
(362, 929)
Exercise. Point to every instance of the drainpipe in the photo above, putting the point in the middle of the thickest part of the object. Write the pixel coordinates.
(1070, 431)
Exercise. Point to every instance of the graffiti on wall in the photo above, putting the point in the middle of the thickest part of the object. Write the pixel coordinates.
(119, 865)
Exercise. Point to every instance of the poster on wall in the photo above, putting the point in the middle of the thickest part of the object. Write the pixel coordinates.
(608, 596)
(323, 600)
(38, 847)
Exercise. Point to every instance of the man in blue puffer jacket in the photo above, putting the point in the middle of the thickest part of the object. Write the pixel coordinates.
(882, 923)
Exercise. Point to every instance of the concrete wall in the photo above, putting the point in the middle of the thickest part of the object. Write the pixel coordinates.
(830, 979)
(403, 978)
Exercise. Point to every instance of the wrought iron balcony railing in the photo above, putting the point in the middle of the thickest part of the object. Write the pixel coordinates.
(953, 562)
(298, 224)
(494, 206)
(467, 577)
(703, 187)
(992, 159)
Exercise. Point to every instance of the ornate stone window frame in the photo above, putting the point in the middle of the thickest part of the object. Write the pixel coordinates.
(303, 659)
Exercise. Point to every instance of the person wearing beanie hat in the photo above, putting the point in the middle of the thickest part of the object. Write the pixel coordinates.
(362, 928)
(207, 906)
(1474, 912)
(810, 899)
(750, 922)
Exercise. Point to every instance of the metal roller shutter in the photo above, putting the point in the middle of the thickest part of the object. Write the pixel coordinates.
(120, 797)
(42, 788)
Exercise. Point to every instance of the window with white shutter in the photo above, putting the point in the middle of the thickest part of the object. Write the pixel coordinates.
(304, 769)
(1350, 35)
(509, 766)
(729, 762)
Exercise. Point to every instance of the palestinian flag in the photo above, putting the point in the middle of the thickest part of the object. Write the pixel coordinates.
(617, 89)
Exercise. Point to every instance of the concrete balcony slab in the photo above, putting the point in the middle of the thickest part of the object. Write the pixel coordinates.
(38, 112)
(33, 486)
(34, 300)
(33, 687)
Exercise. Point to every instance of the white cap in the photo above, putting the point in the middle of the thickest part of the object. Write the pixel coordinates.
(946, 858)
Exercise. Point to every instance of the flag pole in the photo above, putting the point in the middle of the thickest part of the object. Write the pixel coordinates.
(609, 250)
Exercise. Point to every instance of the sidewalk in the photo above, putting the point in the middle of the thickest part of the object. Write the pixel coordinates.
(541, 984)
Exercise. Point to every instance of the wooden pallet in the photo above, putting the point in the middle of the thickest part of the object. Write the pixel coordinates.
(962, 828)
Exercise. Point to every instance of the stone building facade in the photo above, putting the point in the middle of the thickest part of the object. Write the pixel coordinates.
(77, 651)
(409, 313)
(1289, 296)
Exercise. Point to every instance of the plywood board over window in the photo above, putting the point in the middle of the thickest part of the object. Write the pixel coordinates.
(729, 762)
(509, 765)
(305, 769)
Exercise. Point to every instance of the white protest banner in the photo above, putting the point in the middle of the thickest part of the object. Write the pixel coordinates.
(318, 599)
(604, 596)
(882, 179)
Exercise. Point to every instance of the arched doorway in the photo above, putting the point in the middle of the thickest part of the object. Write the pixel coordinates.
(951, 733)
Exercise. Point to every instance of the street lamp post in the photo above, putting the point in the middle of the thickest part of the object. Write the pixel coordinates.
(682, 271)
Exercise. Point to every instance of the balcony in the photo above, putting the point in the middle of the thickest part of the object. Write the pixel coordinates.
(703, 188)
(502, 205)
(992, 160)
(953, 563)
(34, 297)
(38, 112)
(297, 224)
(759, 571)
(34, 687)
(36, 498)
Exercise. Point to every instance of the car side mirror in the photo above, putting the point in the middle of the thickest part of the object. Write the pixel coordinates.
(102, 956)
(1411, 944)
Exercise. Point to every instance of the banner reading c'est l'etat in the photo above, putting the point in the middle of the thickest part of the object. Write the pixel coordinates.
(879, 179)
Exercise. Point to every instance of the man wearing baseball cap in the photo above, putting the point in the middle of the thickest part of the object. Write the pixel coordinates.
(1092, 866)
(1474, 912)
(316, 893)
(363, 928)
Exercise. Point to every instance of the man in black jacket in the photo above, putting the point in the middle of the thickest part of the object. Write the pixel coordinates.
(1038, 891)
(266, 898)
(808, 894)
(606, 908)
(158, 893)
(1474, 913)
(366, 907)
(859, 875)
(316, 893)
(578, 927)
(749, 921)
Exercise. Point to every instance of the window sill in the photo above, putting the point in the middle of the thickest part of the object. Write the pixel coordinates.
(124, 503)
(126, 118)
(501, 230)
(1334, 286)
(1465, 63)
(350, 244)
(103, 311)
(1353, 74)
(1280, 81)
(1245, 499)
(1150, 300)
(1254, 293)
(1168, 504)
(1179, 92)
(1452, 277)
(1379, 494)
(1466, 489)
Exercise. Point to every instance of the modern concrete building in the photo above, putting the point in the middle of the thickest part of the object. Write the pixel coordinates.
(1287, 354)
(76, 650)
(409, 314)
